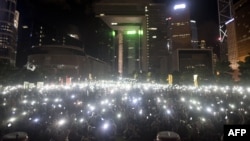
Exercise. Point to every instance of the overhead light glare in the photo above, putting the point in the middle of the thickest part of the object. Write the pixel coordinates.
(114, 23)
(179, 6)
(229, 21)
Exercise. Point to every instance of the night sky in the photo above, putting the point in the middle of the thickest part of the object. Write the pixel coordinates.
(79, 13)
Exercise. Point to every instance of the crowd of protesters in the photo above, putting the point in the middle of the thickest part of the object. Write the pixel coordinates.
(133, 112)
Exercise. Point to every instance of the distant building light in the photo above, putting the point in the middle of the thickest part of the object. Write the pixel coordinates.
(131, 32)
(114, 23)
(229, 21)
(154, 37)
(113, 33)
(152, 28)
(179, 6)
(102, 14)
(192, 21)
(74, 36)
(25, 27)
(169, 18)
(140, 32)
(146, 9)
(16, 19)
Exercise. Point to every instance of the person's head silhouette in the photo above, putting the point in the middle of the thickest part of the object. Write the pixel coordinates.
(167, 136)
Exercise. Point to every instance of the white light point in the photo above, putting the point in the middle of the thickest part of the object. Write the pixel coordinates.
(182, 99)
(140, 112)
(81, 120)
(168, 111)
(9, 125)
(25, 101)
(119, 115)
(36, 120)
(105, 126)
(179, 6)
(209, 109)
(222, 109)
(73, 96)
(203, 119)
(12, 119)
(61, 122)
(24, 113)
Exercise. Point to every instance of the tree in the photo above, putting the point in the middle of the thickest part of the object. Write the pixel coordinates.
(223, 72)
(10, 75)
(244, 68)
(176, 77)
(205, 75)
(6, 71)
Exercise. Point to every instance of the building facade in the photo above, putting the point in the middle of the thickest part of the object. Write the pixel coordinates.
(194, 34)
(179, 26)
(166, 28)
(8, 31)
(157, 38)
(238, 35)
(242, 27)
(128, 22)
(140, 42)
(184, 50)
(65, 60)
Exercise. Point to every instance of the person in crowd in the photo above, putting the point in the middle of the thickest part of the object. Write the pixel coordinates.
(131, 114)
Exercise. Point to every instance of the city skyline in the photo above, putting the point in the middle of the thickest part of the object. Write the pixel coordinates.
(80, 16)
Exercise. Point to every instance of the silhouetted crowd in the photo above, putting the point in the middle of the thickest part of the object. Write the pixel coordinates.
(124, 113)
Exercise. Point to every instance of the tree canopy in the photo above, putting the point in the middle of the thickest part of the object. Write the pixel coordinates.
(244, 68)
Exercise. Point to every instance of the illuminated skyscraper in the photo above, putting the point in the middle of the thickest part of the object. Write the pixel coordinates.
(8, 31)
(127, 19)
(238, 35)
(184, 53)
(159, 33)
(194, 34)
(144, 49)
(179, 26)
(157, 38)
(242, 27)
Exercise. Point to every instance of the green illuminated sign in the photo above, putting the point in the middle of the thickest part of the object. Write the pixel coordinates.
(131, 32)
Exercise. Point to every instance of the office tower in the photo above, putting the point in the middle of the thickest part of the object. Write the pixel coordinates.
(238, 35)
(194, 34)
(179, 25)
(59, 52)
(8, 31)
(56, 61)
(242, 27)
(157, 39)
(157, 35)
(184, 53)
(232, 44)
(140, 42)
(34, 33)
(127, 20)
